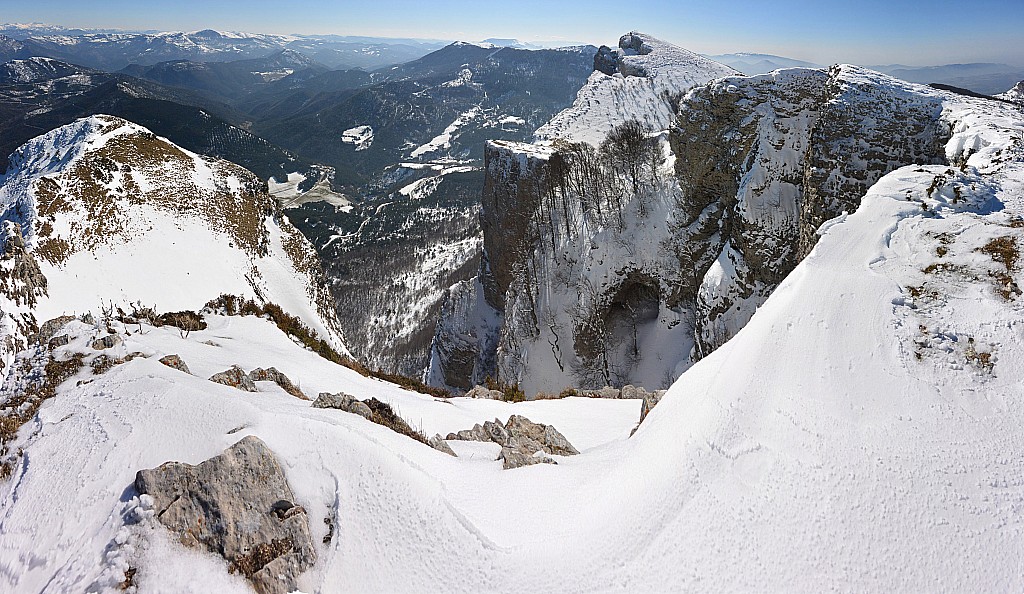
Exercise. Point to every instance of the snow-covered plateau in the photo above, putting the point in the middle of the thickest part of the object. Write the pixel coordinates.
(859, 430)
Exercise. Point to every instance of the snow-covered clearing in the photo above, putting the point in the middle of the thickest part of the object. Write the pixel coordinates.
(360, 136)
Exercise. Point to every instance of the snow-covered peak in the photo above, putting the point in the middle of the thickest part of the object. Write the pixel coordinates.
(35, 69)
(1016, 94)
(640, 54)
(116, 215)
(483, 44)
(636, 81)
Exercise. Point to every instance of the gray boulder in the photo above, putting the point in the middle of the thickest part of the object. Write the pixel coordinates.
(236, 377)
(345, 402)
(484, 393)
(340, 400)
(533, 437)
(496, 432)
(439, 444)
(477, 433)
(360, 408)
(650, 400)
(50, 327)
(106, 342)
(175, 362)
(240, 506)
(520, 439)
(516, 458)
(271, 374)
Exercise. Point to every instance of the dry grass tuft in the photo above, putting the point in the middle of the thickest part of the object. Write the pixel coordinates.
(233, 305)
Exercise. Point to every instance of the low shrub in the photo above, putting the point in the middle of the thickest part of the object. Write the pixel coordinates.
(234, 305)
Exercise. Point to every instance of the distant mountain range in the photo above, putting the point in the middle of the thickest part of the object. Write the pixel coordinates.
(751, 64)
(984, 78)
(39, 94)
(114, 50)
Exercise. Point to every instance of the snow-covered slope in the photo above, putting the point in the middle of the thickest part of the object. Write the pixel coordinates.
(35, 70)
(114, 215)
(1016, 94)
(639, 80)
(858, 434)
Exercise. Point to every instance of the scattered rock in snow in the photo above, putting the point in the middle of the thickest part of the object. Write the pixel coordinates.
(51, 327)
(360, 408)
(345, 402)
(239, 505)
(605, 392)
(520, 439)
(496, 432)
(650, 400)
(439, 444)
(340, 401)
(58, 341)
(514, 458)
(482, 392)
(477, 433)
(175, 362)
(235, 377)
(107, 342)
(271, 374)
(535, 437)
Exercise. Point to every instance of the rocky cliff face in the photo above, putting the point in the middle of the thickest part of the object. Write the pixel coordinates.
(763, 162)
(748, 172)
(641, 80)
(102, 213)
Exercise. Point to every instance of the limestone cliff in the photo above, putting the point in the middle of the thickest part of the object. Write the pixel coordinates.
(603, 275)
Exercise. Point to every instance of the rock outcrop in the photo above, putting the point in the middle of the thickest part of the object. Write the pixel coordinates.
(1015, 95)
(236, 377)
(345, 402)
(271, 374)
(22, 285)
(238, 505)
(521, 441)
(107, 341)
(175, 362)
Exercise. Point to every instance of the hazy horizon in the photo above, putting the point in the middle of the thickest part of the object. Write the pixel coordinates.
(876, 32)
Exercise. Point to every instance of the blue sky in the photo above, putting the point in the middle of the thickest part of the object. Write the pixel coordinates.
(860, 31)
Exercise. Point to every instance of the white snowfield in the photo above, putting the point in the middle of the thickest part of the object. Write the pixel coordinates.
(658, 70)
(360, 136)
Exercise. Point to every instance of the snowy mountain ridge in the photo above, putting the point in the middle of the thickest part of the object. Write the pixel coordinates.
(1016, 94)
(638, 80)
(148, 222)
(749, 171)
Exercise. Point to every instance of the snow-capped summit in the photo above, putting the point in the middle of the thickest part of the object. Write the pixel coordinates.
(1016, 94)
(635, 81)
(36, 69)
(114, 215)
